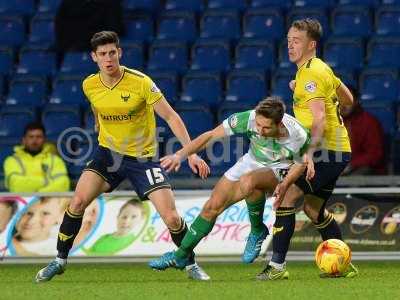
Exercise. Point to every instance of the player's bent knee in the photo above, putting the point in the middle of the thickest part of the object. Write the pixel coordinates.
(311, 212)
(172, 220)
(78, 204)
(246, 185)
(211, 211)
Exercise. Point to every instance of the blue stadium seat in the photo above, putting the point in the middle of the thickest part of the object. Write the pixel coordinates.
(48, 6)
(42, 30)
(359, 2)
(254, 54)
(263, 23)
(163, 130)
(197, 120)
(188, 5)
(138, 28)
(78, 63)
(167, 82)
(57, 118)
(224, 153)
(280, 84)
(383, 52)
(27, 90)
(231, 4)
(13, 120)
(314, 3)
(6, 60)
(384, 112)
(246, 87)
(270, 3)
(379, 84)
(305, 12)
(17, 7)
(67, 89)
(283, 56)
(37, 61)
(177, 25)
(335, 47)
(132, 55)
(228, 108)
(390, 2)
(212, 55)
(351, 21)
(347, 77)
(220, 24)
(89, 120)
(387, 20)
(202, 88)
(6, 149)
(168, 56)
(12, 31)
(142, 5)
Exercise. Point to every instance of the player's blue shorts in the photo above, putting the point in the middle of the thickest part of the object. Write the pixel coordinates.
(144, 174)
(328, 166)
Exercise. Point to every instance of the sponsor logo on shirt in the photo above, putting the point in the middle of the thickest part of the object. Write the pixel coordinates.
(310, 86)
(233, 121)
(125, 98)
(154, 88)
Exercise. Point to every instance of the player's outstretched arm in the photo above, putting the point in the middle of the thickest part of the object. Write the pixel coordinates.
(344, 95)
(165, 111)
(172, 162)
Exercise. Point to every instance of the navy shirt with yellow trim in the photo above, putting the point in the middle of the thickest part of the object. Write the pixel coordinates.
(125, 112)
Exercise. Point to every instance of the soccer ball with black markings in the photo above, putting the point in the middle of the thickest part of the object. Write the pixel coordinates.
(333, 256)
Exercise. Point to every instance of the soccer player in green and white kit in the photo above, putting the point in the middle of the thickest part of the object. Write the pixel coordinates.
(277, 144)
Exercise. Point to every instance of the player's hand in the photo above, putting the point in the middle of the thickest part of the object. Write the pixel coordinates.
(292, 85)
(279, 194)
(310, 166)
(171, 162)
(198, 166)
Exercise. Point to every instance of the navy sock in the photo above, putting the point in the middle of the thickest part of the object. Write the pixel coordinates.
(282, 233)
(329, 228)
(68, 231)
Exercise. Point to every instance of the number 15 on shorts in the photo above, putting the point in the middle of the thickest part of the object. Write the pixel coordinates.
(154, 175)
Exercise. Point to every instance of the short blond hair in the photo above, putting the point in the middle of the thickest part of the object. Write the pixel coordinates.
(311, 26)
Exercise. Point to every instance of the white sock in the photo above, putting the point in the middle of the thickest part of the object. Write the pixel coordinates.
(61, 261)
(277, 266)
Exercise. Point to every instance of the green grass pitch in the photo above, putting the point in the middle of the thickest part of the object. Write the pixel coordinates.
(377, 280)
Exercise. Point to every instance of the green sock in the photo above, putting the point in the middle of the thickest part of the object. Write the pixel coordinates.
(199, 229)
(256, 213)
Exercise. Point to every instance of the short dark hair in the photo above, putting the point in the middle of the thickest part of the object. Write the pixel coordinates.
(311, 26)
(34, 126)
(271, 108)
(104, 38)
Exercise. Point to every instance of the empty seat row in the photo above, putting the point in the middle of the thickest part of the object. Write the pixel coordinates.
(209, 88)
(215, 23)
(268, 23)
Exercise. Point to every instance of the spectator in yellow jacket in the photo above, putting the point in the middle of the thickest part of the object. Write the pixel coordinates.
(35, 165)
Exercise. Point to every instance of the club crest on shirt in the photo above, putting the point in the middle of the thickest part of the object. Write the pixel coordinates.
(154, 88)
(233, 121)
(310, 86)
(125, 98)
